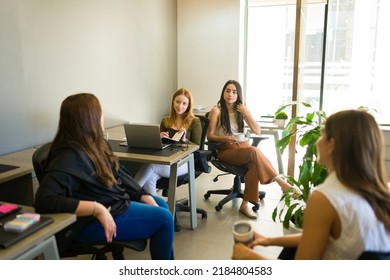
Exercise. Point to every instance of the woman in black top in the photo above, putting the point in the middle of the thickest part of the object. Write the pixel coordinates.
(83, 176)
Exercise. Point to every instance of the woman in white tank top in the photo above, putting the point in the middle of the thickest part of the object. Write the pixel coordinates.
(227, 119)
(350, 212)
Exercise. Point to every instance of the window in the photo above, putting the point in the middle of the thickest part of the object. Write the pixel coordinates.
(356, 55)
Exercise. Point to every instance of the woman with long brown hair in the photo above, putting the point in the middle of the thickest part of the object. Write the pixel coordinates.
(229, 118)
(83, 176)
(350, 212)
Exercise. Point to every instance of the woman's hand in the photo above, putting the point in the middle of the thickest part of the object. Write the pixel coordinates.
(148, 199)
(242, 252)
(106, 220)
(164, 134)
(259, 239)
(243, 109)
(184, 137)
(251, 122)
(230, 139)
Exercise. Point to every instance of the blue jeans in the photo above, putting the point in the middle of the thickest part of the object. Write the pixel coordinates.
(140, 221)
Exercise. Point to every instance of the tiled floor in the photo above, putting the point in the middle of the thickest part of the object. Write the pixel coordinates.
(212, 240)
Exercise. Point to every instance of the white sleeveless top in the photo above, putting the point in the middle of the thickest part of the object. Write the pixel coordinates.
(360, 229)
(233, 125)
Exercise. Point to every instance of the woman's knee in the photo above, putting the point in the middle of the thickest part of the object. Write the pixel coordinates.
(165, 218)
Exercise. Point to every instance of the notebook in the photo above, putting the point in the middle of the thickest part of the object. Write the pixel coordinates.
(146, 136)
(8, 209)
(175, 138)
(9, 238)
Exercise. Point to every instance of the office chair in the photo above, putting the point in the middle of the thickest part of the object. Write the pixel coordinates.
(374, 255)
(201, 158)
(288, 253)
(239, 176)
(97, 249)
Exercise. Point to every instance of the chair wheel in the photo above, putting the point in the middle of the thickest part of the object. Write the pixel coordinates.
(218, 208)
(206, 196)
(261, 194)
(204, 216)
(177, 227)
(100, 257)
(256, 208)
(118, 256)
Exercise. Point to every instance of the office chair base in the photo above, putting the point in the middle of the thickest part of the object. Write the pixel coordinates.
(117, 254)
(232, 193)
(182, 206)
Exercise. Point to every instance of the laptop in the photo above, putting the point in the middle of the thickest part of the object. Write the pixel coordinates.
(145, 136)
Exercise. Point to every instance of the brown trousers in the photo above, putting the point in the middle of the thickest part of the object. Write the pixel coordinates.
(259, 166)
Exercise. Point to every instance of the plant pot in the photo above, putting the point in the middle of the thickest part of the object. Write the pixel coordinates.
(293, 229)
(280, 123)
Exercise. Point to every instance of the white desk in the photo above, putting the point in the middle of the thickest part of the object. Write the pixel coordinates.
(175, 160)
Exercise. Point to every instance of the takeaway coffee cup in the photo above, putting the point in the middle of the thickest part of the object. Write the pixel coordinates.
(242, 232)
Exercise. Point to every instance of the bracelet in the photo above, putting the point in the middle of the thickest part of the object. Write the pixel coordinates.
(94, 208)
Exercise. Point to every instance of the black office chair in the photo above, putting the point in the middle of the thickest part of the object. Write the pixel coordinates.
(68, 249)
(201, 158)
(239, 176)
(374, 255)
(288, 253)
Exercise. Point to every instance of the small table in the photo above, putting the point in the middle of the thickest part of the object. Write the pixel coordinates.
(182, 156)
(40, 242)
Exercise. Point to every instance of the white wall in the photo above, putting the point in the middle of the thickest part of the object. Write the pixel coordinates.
(133, 54)
(124, 51)
(208, 47)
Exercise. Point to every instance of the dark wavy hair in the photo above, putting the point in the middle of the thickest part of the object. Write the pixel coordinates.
(225, 122)
(80, 123)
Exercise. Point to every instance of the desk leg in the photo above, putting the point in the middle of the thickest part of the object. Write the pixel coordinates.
(172, 187)
(191, 192)
(47, 247)
(191, 188)
(275, 134)
(278, 155)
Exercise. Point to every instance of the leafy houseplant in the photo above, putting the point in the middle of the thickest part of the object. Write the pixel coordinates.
(280, 118)
(306, 128)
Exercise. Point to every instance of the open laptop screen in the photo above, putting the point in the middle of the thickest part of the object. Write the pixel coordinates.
(146, 136)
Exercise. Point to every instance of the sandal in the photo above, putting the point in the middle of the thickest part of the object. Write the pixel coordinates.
(295, 193)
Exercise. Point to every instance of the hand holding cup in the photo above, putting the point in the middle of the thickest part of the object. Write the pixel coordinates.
(242, 232)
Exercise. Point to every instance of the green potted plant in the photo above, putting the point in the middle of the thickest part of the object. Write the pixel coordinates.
(280, 118)
(306, 128)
